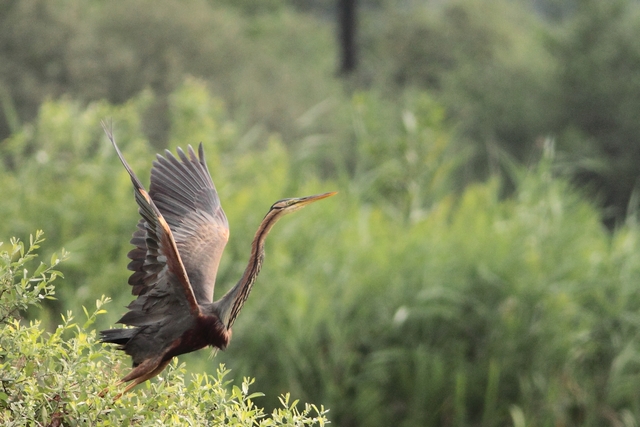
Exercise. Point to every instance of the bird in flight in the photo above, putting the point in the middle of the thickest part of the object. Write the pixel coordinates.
(178, 245)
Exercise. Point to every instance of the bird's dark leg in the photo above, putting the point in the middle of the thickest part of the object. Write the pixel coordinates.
(144, 371)
(142, 378)
(146, 367)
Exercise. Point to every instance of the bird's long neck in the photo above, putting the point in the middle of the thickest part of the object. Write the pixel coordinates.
(231, 303)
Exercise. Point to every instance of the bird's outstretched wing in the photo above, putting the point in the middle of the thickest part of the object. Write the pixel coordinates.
(185, 195)
(171, 289)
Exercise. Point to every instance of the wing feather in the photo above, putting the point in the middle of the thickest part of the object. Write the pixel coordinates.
(170, 288)
(185, 194)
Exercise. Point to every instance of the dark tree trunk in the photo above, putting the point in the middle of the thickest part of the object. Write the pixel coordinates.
(347, 35)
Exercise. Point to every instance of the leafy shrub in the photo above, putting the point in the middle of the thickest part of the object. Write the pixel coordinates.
(56, 378)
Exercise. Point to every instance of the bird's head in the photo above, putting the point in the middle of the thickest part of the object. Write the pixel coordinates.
(286, 206)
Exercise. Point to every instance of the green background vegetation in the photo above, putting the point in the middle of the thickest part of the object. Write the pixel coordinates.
(480, 264)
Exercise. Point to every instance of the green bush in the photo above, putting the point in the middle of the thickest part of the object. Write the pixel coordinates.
(56, 378)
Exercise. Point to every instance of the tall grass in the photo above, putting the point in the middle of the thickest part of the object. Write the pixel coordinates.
(398, 302)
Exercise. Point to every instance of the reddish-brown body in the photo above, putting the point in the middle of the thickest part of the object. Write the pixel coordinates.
(208, 330)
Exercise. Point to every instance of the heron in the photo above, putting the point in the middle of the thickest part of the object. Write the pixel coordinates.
(178, 245)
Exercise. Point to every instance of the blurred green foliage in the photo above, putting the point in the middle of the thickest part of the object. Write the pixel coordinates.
(507, 73)
(396, 302)
(113, 50)
(511, 73)
(485, 59)
(599, 76)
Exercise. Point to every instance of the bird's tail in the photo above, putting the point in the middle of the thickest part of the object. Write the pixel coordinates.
(118, 336)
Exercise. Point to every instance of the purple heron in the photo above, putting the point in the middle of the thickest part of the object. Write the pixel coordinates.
(178, 245)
